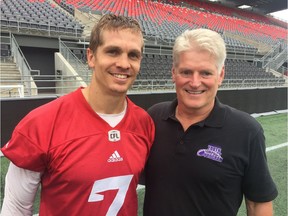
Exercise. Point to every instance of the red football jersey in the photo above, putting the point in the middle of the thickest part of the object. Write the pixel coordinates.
(89, 168)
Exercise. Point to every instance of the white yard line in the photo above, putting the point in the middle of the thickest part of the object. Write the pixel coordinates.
(255, 115)
(271, 148)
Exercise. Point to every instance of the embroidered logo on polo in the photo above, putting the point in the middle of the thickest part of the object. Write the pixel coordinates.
(212, 152)
(114, 135)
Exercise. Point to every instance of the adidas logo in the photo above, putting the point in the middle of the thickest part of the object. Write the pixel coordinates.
(115, 157)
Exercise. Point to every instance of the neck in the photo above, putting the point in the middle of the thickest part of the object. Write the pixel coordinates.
(188, 117)
(104, 103)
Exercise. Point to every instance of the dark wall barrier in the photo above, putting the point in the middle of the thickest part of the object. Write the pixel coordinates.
(250, 101)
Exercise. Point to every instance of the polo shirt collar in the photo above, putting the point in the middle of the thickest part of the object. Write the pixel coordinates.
(215, 119)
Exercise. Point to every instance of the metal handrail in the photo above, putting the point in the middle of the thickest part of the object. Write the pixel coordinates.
(146, 85)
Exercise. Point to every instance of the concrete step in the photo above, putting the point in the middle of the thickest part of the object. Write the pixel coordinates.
(5, 69)
(10, 66)
(9, 72)
(11, 78)
(9, 82)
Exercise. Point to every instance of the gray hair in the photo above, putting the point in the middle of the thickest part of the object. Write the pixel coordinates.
(202, 40)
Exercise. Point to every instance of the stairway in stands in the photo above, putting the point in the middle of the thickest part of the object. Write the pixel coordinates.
(9, 76)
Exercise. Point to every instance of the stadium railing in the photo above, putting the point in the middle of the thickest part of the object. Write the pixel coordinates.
(62, 84)
(11, 91)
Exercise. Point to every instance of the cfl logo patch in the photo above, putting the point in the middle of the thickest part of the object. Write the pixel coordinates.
(114, 135)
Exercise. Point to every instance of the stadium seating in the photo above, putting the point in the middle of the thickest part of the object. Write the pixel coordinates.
(155, 71)
(37, 15)
(165, 21)
(162, 21)
(240, 69)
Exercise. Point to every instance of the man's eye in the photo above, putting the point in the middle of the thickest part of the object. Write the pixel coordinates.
(206, 73)
(112, 52)
(185, 73)
(134, 56)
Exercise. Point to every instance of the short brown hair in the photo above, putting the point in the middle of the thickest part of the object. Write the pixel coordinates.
(111, 22)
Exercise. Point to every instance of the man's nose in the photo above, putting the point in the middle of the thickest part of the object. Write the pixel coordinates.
(195, 80)
(123, 62)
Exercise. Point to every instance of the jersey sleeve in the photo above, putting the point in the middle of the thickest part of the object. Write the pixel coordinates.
(24, 153)
(29, 141)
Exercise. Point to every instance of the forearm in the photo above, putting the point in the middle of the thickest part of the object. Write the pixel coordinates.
(20, 189)
(259, 209)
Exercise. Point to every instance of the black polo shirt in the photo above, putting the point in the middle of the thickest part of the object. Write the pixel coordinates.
(206, 169)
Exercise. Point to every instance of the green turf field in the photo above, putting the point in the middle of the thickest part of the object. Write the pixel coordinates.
(275, 127)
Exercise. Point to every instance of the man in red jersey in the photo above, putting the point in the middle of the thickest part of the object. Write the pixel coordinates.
(84, 148)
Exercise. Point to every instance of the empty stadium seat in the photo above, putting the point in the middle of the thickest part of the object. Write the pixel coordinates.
(166, 21)
(37, 15)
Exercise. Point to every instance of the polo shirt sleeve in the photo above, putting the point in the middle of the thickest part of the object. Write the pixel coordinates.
(258, 185)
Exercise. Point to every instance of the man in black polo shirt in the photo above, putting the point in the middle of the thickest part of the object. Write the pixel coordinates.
(206, 155)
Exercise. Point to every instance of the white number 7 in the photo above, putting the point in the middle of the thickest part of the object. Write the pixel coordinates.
(119, 182)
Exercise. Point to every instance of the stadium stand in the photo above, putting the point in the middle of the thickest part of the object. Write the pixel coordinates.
(256, 44)
(36, 16)
(166, 20)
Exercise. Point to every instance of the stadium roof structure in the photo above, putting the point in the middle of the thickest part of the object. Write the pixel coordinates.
(262, 6)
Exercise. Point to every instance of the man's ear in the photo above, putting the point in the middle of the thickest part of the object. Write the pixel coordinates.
(90, 58)
(173, 71)
(221, 76)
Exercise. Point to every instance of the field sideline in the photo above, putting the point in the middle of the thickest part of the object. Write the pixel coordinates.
(271, 148)
(275, 128)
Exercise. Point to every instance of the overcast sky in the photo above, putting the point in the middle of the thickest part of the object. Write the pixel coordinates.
(283, 15)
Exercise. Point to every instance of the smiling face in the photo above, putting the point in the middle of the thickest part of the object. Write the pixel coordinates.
(116, 62)
(196, 79)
